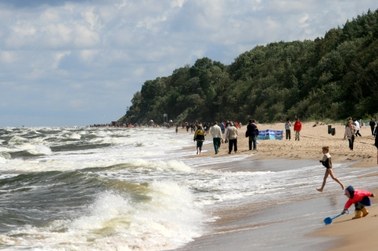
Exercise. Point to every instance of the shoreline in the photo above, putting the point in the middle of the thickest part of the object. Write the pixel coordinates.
(341, 235)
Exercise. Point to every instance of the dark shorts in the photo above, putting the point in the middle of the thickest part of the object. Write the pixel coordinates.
(199, 143)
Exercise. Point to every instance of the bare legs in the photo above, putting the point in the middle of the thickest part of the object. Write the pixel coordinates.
(326, 174)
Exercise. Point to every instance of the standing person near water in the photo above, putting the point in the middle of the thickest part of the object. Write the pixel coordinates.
(327, 163)
(232, 137)
(216, 133)
(199, 136)
(252, 133)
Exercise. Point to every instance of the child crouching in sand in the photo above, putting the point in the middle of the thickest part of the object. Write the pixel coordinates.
(327, 163)
(360, 199)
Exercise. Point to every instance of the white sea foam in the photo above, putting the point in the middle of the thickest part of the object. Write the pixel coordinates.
(162, 165)
(113, 222)
(17, 140)
(36, 149)
(126, 146)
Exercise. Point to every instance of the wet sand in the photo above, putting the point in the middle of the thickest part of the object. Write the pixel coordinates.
(357, 234)
(239, 228)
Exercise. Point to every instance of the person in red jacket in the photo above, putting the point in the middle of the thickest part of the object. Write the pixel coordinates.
(360, 199)
(297, 128)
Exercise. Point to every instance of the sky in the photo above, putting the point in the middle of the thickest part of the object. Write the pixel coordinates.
(80, 62)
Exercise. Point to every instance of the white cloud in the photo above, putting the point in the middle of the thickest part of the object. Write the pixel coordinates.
(50, 15)
(88, 55)
(304, 20)
(76, 104)
(20, 34)
(85, 38)
(92, 19)
(178, 3)
(58, 57)
(7, 57)
(56, 35)
(101, 52)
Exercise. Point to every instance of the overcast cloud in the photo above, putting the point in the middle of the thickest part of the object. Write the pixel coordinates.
(66, 63)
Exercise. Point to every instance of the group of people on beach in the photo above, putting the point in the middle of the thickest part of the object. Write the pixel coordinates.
(360, 198)
(297, 129)
(230, 132)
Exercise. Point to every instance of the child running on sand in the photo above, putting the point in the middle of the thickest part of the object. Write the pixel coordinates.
(360, 199)
(327, 163)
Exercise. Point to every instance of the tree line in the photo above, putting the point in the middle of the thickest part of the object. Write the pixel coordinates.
(333, 77)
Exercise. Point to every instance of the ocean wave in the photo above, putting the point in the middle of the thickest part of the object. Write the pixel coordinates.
(165, 218)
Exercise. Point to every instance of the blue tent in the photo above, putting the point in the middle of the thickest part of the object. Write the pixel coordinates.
(270, 134)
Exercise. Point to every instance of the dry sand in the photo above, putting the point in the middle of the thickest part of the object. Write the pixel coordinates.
(349, 234)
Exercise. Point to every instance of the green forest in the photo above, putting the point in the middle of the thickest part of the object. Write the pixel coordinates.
(333, 77)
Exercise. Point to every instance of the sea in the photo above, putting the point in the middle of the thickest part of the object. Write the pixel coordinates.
(109, 188)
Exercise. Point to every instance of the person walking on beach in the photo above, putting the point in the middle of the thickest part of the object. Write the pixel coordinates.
(360, 199)
(199, 136)
(288, 129)
(216, 133)
(372, 126)
(252, 133)
(357, 128)
(349, 134)
(232, 137)
(327, 163)
(297, 128)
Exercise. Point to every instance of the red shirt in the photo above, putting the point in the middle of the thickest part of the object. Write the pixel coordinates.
(297, 126)
(358, 196)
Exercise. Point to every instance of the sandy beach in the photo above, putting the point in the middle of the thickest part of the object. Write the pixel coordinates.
(313, 137)
(358, 234)
(342, 234)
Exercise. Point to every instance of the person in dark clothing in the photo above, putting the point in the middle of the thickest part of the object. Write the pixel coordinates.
(288, 129)
(372, 125)
(327, 163)
(199, 136)
(252, 133)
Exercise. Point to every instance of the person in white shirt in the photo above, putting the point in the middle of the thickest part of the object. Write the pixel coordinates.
(216, 133)
(232, 137)
(357, 128)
